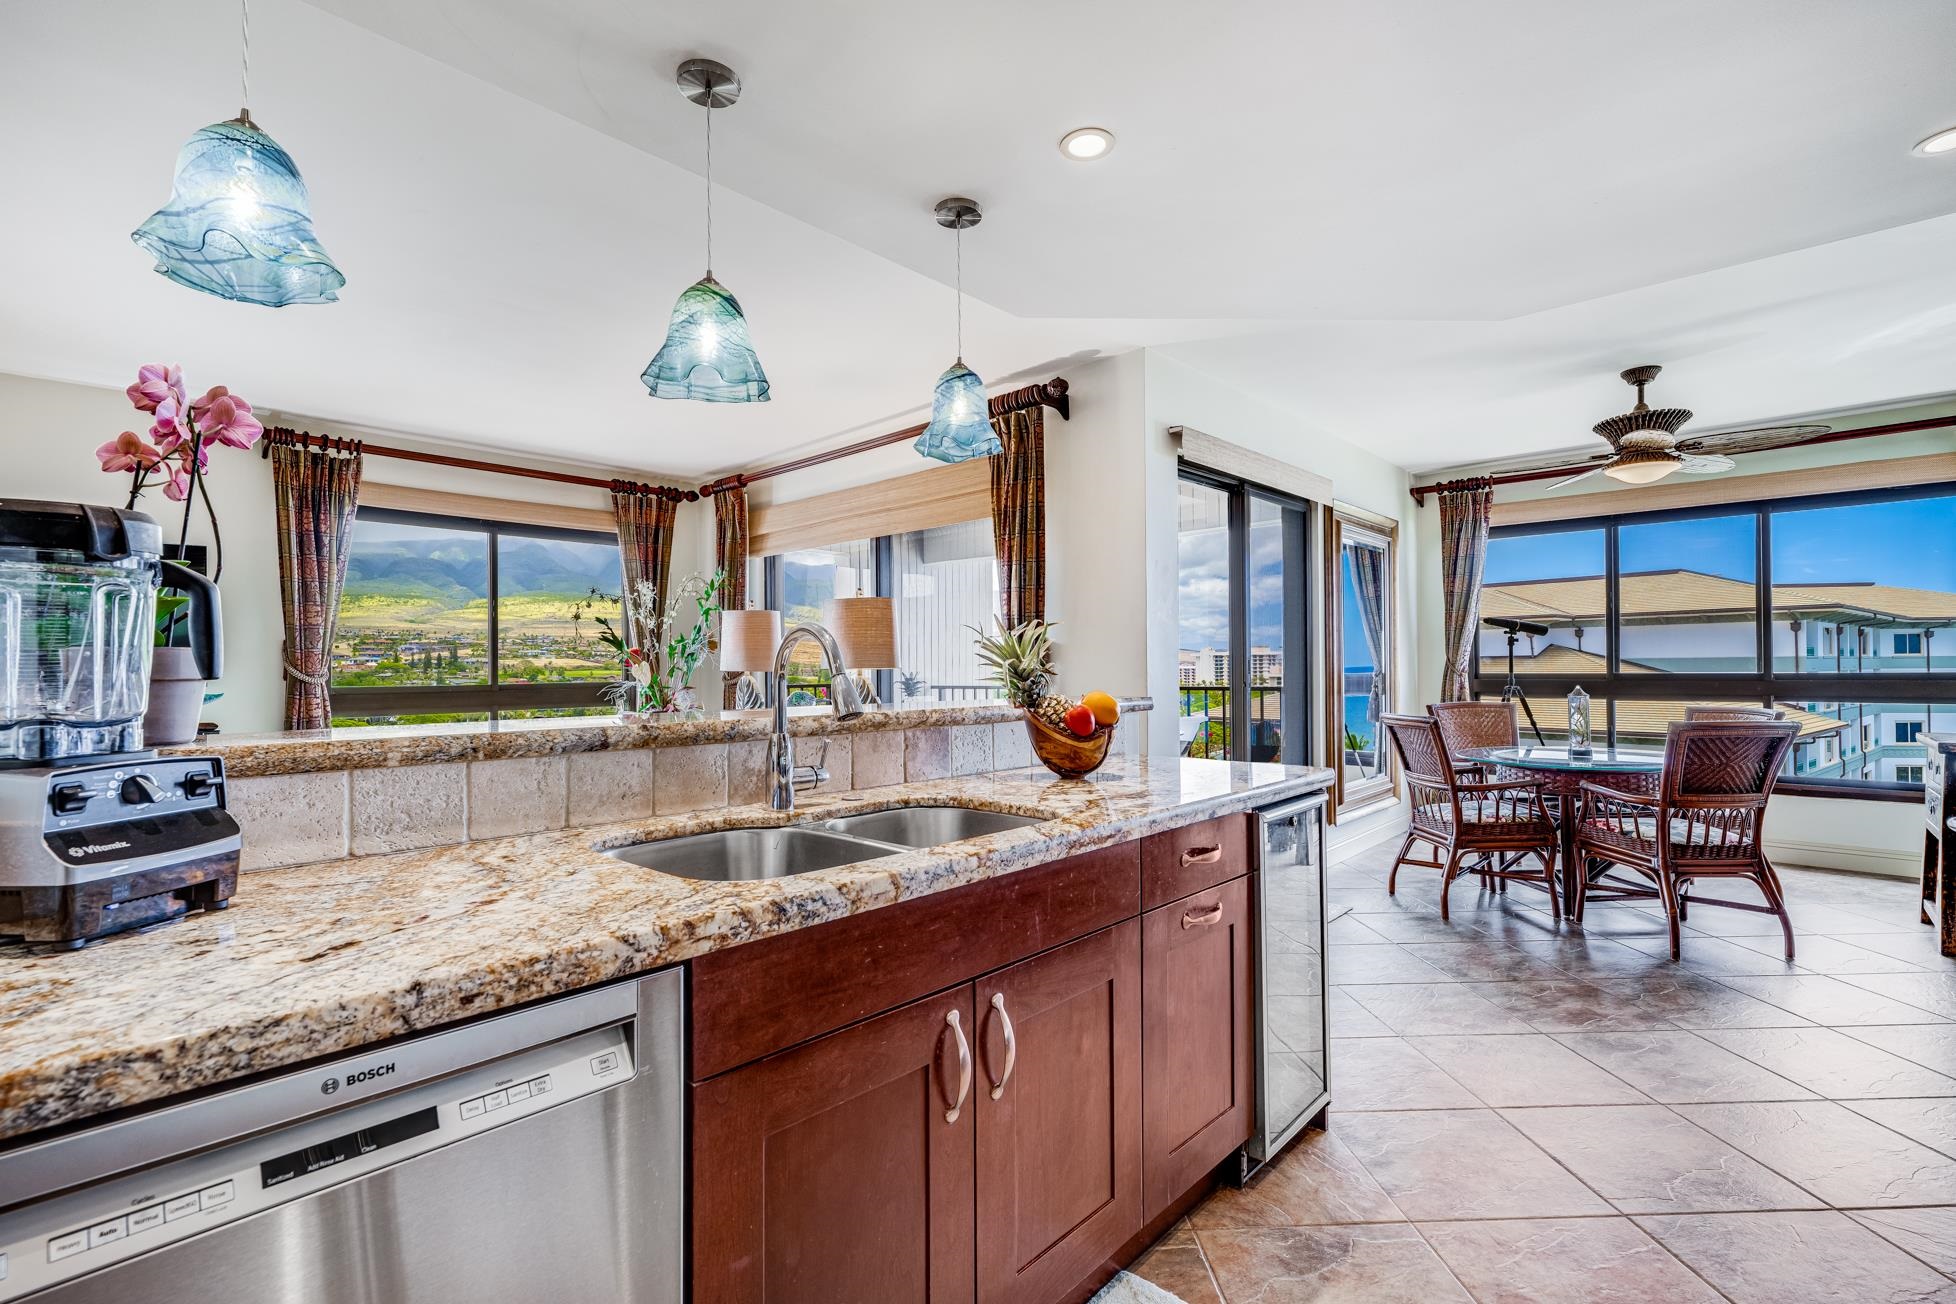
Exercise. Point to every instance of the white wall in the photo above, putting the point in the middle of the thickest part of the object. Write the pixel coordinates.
(49, 431)
(1872, 836)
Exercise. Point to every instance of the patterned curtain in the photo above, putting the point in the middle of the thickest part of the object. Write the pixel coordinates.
(730, 556)
(1019, 514)
(645, 543)
(1464, 509)
(316, 490)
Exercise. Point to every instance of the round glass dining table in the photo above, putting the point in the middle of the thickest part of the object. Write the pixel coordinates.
(1634, 770)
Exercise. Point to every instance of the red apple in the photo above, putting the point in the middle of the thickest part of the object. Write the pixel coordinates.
(1080, 720)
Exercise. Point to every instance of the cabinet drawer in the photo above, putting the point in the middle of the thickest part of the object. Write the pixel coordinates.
(1181, 861)
(756, 999)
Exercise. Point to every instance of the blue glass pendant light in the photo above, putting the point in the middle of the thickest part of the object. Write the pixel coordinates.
(707, 355)
(239, 222)
(960, 417)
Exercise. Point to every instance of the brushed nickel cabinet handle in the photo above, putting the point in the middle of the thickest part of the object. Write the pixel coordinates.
(1011, 1045)
(1202, 855)
(964, 1067)
(1202, 918)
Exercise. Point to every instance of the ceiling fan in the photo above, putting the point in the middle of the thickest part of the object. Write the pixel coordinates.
(1644, 443)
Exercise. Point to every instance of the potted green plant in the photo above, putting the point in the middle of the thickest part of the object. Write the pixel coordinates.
(657, 678)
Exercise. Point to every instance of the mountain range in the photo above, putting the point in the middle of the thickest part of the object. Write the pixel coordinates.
(457, 570)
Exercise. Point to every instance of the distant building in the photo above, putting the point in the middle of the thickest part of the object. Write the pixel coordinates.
(1685, 621)
(1210, 666)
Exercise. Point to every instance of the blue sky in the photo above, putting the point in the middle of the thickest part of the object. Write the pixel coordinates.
(1912, 544)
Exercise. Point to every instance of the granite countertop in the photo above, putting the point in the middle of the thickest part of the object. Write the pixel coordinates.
(304, 751)
(323, 958)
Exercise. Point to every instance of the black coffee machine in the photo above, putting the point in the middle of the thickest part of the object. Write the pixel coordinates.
(98, 835)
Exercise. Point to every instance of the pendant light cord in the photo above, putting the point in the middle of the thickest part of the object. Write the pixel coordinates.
(244, 71)
(958, 235)
(709, 176)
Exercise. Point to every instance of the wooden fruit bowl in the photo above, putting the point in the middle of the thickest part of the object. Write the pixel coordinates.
(1066, 753)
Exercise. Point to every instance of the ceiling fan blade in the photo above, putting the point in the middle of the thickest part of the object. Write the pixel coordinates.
(1580, 475)
(1756, 439)
(1704, 464)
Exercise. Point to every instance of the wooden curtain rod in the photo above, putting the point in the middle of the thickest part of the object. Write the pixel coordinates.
(1419, 491)
(302, 439)
(1051, 394)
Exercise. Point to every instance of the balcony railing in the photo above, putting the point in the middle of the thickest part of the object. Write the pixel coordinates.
(1205, 711)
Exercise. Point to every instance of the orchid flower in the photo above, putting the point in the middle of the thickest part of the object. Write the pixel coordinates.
(223, 416)
(128, 452)
(168, 430)
(156, 382)
(177, 487)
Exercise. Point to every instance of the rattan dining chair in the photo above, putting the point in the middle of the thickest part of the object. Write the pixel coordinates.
(1465, 725)
(1461, 819)
(1710, 808)
(1733, 713)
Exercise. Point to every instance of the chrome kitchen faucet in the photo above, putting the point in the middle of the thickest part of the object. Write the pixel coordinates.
(786, 776)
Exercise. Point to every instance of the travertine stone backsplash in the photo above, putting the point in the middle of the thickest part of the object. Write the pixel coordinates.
(292, 819)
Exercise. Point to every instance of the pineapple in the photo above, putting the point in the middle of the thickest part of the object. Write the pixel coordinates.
(1021, 661)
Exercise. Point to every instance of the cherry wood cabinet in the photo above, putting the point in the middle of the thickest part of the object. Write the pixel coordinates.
(842, 1169)
(1059, 1116)
(1104, 1003)
(1197, 1037)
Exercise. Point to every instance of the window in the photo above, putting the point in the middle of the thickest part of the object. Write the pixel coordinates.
(1908, 773)
(446, 620)
(1240, 608)
(1362, 635)
(1794, 605)
(945, 582)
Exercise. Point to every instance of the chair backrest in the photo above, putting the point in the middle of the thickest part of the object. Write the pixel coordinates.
(1726, 764)
(1733, 713)
(1422, 751)
(1476, 724)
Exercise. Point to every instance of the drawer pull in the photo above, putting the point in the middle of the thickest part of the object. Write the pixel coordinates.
(1202, 855)
(1011, 1045)
(964, 1068)
(1202, 918)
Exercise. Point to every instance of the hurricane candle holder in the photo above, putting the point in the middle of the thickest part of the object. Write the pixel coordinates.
(1579, 723)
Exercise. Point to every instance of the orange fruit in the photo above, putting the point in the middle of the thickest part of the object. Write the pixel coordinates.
(1105, 709)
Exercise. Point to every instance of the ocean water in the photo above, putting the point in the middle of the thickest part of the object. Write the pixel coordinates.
(1355, 720)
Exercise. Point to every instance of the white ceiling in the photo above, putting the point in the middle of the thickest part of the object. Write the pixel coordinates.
(1436, 229)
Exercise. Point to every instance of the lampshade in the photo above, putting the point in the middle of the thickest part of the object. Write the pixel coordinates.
(748, 639)
(239, 223)
(960, 419)
(1635, 466)
(866, 630)
(707, 355)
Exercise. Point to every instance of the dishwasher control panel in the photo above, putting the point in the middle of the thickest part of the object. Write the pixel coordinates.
(72, 1235)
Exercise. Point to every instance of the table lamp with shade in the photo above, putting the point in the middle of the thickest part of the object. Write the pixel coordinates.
(865, 629)
(748, 639)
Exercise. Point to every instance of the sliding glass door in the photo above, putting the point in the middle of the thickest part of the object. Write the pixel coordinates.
(1244, 690)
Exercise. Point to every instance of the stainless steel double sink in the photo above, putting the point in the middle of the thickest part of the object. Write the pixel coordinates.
(730, 855)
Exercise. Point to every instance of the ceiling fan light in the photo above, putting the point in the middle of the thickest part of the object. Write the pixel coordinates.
(1641, 470)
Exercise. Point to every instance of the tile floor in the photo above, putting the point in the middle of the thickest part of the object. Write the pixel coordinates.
(1526, 1112)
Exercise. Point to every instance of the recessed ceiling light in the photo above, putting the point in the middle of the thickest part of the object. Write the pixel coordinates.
(1943, 142)
(1085, 143)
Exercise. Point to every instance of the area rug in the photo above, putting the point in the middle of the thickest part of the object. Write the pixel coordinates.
(1130, 1289)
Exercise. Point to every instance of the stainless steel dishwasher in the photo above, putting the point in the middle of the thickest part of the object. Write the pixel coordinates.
(534, 1155)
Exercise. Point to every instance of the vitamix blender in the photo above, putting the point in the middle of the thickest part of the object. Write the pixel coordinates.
(98, 835)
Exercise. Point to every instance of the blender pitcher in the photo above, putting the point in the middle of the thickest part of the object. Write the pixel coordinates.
(77, 624)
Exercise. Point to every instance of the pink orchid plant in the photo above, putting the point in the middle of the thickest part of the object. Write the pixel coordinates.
(177, 452)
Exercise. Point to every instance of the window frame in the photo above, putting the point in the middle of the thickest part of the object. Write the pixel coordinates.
(1294, 708)
(1764, 684)
(1375, 531)
(493, 697)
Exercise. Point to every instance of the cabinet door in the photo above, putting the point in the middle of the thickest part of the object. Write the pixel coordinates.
(1197, 1037)
(840, 1170)
(1059, 1116)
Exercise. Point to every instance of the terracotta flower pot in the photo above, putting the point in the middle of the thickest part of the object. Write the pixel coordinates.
(176, 697)
(1064, 752)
